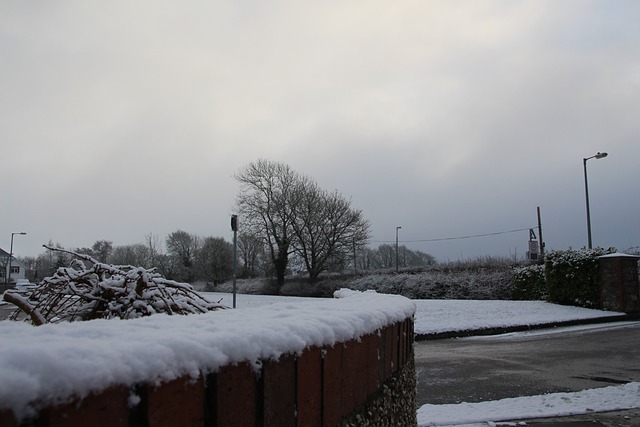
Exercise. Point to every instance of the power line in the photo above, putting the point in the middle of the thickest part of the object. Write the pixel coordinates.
(456, 238)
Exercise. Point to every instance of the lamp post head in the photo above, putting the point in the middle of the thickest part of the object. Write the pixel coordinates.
(598, 155)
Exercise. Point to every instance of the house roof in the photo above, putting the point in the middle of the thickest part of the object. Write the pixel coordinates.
(14, 261)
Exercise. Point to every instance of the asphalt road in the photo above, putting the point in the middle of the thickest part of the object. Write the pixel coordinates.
(524, 364)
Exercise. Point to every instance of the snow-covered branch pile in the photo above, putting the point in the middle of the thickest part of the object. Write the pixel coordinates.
(105, 291)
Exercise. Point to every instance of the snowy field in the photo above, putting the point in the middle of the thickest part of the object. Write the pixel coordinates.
(436, 316)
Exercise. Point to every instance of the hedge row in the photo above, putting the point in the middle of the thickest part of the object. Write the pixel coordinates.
(569, 277)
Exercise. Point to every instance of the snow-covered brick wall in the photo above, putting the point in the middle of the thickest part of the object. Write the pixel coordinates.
(49, 364)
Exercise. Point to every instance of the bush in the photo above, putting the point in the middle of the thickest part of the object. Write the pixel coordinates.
(441, 282)
(573, 276)
(529, 283)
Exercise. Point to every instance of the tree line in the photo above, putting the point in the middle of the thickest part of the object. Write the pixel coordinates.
(287, 224)
(191, 258)
(188, 257)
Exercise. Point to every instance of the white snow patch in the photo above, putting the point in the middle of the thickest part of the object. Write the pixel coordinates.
(618, 255)
(577, 329)
(543, 406)
(434, 316)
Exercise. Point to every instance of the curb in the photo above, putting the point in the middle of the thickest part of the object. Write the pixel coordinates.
(523, 328)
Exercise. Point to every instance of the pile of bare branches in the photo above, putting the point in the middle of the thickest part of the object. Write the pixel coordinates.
(89, 289)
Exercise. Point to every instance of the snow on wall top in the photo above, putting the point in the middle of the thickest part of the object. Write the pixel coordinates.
(46, 364)
(618, 255)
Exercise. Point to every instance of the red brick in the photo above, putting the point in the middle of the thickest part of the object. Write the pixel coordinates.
(178, 402)
(279, 382)
(374, 376)
(409, 339)
(395, 330)
(235, 396)
(349, 378)
(7, 419)
(387, 334)
(403, 343)
(361, 373)
(107, 408)
(309, 388)
(332, 386)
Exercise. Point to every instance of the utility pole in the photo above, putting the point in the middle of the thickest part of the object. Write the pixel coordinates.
(540, 236)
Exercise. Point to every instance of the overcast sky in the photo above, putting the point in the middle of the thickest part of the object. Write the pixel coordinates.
(120, 119)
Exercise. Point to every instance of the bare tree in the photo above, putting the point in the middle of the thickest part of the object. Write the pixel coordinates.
(251, 253)
(363, 258)
(419, 259)
(102, 249)
(136, 254)
(265, 203)
(384, 257)
(295, 216)
(183, 246)
(214, 260)
(152, 242)
(327, 229)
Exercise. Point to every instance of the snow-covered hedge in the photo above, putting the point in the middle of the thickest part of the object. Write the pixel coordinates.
(572, 276)
(529, 283)
(568, 277)
(469, 281)
(477, 284)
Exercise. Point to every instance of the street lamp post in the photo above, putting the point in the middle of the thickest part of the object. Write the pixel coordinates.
(8, 278)
(586, 192)
(234, 228)
(397, 228)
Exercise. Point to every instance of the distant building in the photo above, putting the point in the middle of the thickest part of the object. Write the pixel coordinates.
(18, 270)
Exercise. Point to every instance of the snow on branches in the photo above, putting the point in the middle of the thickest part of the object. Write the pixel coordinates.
(105, 291)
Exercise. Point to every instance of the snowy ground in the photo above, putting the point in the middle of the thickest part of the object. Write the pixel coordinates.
(549, 405)
(436, 316)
